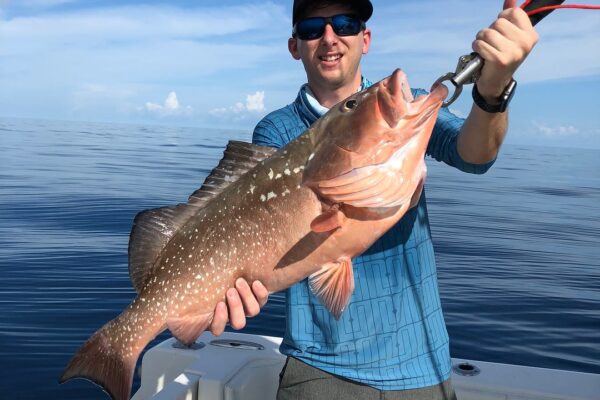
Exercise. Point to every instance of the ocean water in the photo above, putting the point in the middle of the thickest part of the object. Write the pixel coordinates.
(518, 249)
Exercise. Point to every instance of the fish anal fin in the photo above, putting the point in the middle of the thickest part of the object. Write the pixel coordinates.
(333, 284)
(328, 221)
(189, 326)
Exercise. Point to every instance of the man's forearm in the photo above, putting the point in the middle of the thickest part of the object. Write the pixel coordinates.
(503, 47)
(481, 135)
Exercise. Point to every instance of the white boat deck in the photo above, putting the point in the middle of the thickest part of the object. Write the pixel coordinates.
(240, 366)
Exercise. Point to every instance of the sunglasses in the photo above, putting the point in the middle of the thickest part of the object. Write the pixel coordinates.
(314, 28)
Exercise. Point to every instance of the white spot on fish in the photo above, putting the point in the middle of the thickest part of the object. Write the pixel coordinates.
(262, 197)
(270, 173)
(278, 176)
(252, 187)
(287, 171)
(311, 156)
(271, 195)
(296, 170)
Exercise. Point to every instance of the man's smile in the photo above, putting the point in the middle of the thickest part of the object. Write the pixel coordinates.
(330, 59)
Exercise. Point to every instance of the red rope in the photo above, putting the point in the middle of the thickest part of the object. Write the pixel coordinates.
(548, 8)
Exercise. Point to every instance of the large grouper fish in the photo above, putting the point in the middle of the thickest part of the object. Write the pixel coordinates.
(278, 216)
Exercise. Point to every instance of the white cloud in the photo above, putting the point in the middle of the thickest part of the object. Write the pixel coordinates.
(255, 103)
(34, 3)
(113, 58)
(556, 130)
(144, 51)
(170, 107)
(135, 22)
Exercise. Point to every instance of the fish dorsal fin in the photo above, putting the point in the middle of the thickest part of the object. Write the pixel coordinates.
(152, 229)
(333, 284)
(238, 158)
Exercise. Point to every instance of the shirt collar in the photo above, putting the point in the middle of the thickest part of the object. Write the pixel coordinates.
(311, 106)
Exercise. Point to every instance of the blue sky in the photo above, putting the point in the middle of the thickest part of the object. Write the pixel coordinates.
(225, 63)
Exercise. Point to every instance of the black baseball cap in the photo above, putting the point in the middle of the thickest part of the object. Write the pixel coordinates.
(363, 8)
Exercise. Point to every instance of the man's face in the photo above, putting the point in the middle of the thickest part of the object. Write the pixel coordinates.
(331, 61)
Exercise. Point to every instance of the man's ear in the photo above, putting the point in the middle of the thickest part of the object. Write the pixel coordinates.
(293, 48)
(366, 40)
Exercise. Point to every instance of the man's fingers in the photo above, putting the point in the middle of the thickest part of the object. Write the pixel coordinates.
(241, 301)
(507, 29)
(219, 321)
(237, 317)
(517, 17)
(261, 293)
(250, 302)
(493, 38)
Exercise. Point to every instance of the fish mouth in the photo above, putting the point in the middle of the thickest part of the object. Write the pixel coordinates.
(394, 97)
(396, 101)
(438, 94)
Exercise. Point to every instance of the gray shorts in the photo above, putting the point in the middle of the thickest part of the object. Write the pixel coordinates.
(300, 381)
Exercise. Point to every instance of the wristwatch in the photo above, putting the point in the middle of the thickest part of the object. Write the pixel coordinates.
(503, 100)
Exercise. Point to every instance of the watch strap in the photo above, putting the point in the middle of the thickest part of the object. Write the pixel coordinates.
(503, 100)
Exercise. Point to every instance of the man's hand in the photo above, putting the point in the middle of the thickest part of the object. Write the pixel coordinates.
(242, 302)
(503, 46)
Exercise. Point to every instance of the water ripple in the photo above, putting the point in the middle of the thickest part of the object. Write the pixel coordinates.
(517, 249)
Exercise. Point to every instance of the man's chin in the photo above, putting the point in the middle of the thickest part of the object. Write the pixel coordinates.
(331, 77)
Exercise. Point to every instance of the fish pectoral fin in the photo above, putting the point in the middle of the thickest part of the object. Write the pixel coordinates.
(333, 284)
(328, 221)
(189, 326)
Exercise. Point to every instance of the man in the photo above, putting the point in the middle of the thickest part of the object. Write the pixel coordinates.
(391, 342)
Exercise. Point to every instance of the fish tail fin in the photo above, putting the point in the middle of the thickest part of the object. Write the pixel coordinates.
(106, 360)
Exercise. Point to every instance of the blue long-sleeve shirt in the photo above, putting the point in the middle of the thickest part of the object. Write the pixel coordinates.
(392, 335)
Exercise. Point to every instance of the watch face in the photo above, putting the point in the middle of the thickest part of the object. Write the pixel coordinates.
(509, 92)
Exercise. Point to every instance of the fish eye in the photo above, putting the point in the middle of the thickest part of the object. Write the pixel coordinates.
(350, 104)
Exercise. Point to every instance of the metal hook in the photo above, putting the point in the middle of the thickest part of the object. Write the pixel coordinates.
(467, 72)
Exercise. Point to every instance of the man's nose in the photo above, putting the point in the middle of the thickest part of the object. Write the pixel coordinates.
(329, 35)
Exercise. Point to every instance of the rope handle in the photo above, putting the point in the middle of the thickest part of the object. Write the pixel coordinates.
(536, 7)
